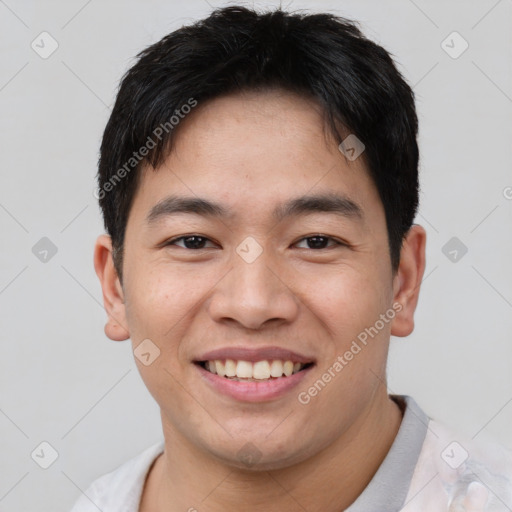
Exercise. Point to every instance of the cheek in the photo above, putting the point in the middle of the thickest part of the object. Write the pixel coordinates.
(349, 305)
(162, 304)
(347, 301)
(159, 307)
(158, 299)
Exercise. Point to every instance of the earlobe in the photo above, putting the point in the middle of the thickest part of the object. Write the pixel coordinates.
(113, 299)
(407, 281)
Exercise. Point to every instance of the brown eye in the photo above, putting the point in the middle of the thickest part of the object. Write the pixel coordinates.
(318, 242)
(190, 242)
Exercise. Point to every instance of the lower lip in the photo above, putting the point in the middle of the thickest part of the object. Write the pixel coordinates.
(253, 391)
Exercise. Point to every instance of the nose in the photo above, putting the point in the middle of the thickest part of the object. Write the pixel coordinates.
(253, 294)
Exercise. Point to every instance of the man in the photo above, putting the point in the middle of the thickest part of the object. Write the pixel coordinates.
(259, 181)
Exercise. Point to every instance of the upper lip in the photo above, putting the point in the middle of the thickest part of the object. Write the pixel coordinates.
(254, 354)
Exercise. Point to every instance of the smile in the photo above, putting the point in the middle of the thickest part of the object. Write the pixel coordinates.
(253, 371)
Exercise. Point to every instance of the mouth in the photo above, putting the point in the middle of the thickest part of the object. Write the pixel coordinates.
(253, 371)
(249, 374)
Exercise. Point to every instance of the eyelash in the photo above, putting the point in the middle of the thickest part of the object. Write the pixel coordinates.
(336, 242)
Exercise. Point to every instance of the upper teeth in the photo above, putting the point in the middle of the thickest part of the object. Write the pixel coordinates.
(257, 370)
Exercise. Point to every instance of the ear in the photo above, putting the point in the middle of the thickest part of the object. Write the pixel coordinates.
(407, 281)
(113, 298)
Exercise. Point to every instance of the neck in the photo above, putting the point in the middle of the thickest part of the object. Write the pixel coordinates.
(329, 481)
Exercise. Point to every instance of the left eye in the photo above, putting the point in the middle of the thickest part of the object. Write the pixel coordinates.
(318, 242)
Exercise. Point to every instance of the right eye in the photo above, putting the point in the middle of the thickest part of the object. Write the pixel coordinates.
(193, 242)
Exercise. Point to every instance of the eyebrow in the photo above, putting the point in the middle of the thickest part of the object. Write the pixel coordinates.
(340, 205)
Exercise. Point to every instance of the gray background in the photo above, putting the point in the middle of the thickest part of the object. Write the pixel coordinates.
(62, 381)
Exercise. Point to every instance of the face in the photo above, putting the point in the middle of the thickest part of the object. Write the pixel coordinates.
(284, 259)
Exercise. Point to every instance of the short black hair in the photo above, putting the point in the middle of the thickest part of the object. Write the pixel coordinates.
(322, 57)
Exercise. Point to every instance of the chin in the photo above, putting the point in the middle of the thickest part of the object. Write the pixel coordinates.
(260, 454)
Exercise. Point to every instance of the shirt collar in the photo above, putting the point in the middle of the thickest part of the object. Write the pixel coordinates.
(389, 486)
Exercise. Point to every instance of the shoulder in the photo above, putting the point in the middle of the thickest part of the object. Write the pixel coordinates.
(458, 473)
(121, 489)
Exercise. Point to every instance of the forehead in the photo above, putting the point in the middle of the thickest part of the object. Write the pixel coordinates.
(255, 149)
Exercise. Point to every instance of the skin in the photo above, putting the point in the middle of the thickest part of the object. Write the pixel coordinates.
(250, 152)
